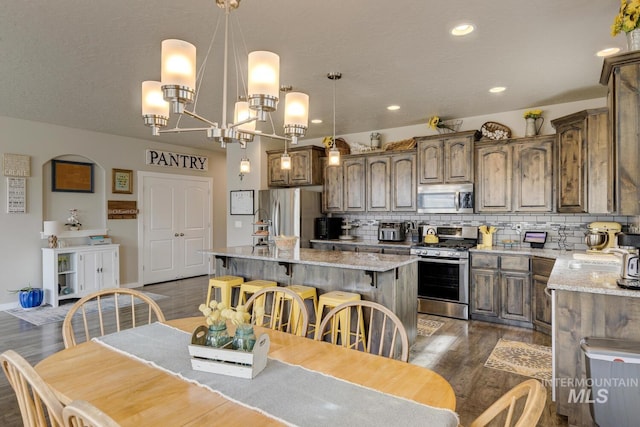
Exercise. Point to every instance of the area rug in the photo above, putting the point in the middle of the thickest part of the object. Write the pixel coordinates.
(47, 314)
(520, 358)
(426, 327)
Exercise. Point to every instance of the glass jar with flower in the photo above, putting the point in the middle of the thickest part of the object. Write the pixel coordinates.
(244, 338)
(532, 117)
(218, 336)
(628, 21)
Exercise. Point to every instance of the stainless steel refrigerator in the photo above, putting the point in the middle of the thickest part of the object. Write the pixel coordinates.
(292, 212)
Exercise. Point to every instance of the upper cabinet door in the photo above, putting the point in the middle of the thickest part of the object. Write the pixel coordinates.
(493, 178)
(533, 175)
(572, 179)
(431, 154)
(276, 176)
(333, 189)
(458, 160)
(355, 185)
(379, 184)
(403, 182)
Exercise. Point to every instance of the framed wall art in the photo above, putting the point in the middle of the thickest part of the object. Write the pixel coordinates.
(122, 181)
(73, 177)
(241, 202)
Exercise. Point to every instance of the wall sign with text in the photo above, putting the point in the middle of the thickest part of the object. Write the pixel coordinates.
(169, 159)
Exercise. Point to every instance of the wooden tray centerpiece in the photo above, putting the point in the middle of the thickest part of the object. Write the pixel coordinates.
(225, 360)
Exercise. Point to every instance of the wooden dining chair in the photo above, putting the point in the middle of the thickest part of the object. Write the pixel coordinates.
(39, 407)
(80, 413)
(284, 310)
(385, 334)
(534, 393)
(109, 310)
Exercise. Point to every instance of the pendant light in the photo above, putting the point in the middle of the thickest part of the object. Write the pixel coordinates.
(285, 159)
(334, 153)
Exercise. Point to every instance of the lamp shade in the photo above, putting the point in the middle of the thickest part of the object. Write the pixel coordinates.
(285, 162)
(52, 228)
(178, 63)
(245, 165)
(241, 113)
(334, 156)
(296, 110)
(264, 74)
(153, 103)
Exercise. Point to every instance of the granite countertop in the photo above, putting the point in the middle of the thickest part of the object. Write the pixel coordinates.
(335, 259)
(361, 242)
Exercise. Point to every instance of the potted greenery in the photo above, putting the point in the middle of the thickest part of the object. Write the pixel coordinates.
(29, 297)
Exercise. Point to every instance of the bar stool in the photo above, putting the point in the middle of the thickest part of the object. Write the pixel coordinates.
(226, 285)
(251, 287)
(306, 293)
(333, 299)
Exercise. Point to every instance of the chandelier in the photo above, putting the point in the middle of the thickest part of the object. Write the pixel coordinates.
(177, 89)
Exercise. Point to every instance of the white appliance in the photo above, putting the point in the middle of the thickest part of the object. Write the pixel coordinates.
(292, 212)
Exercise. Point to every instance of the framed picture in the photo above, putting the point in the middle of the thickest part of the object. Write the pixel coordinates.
(122, 181)
(72, 177)
(241, 202)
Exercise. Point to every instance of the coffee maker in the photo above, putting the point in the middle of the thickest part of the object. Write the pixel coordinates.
(601, 235)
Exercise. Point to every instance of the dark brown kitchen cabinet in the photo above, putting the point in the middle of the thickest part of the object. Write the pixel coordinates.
(306, 167)
(515, 175)
(501, 288)
(621, 75)
(446, 159)
(541, 310)
(344, 188)
(585, 162)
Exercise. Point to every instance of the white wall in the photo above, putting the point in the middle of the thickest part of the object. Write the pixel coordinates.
(20, 243)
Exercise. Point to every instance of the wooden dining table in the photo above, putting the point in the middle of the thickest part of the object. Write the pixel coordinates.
(136, 394)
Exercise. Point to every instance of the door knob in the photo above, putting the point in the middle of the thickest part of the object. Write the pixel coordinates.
(181, 234)
(176, 235)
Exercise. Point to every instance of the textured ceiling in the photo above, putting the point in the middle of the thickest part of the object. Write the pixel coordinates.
(80, 63)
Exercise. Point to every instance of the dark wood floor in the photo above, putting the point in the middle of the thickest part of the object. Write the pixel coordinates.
(457, 351)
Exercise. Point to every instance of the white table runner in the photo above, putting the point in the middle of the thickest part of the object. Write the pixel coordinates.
(289, 393)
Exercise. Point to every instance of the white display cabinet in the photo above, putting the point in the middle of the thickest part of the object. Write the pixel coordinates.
(74, 272)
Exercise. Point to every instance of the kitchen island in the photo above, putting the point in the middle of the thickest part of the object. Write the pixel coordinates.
(587, 302)
(390, 280)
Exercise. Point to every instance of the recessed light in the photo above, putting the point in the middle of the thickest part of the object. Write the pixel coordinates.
(497, 89)
(316, 121)
(393, 107)
(608, 51)
(462, 29)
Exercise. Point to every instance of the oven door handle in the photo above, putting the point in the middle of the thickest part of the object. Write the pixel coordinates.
(457, 201)
(444, 260)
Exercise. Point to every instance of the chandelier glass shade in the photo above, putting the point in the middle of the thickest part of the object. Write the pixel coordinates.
(177, 88)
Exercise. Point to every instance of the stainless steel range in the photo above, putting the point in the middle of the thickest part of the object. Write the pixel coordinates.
(443, 270)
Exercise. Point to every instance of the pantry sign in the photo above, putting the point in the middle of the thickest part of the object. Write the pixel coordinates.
(169, 159)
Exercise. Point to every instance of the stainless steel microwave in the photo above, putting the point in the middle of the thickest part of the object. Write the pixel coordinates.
(446, 198)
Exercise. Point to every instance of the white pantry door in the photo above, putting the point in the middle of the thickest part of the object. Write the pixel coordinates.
(176, 224)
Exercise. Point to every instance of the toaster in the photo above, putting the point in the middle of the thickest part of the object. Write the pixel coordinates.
(391, 232)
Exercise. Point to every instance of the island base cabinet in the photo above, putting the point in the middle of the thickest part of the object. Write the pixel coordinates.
(580, 315)
(396, 289)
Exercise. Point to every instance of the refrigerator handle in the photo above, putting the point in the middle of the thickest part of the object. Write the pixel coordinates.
(276, 218)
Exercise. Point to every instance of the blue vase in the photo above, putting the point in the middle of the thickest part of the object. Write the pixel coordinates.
(31, 298)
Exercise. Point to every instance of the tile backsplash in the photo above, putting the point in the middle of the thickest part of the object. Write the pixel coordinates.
(565, 231)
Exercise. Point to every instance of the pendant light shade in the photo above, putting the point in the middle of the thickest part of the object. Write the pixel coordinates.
(178, 63)
(245, 165)
(155, 109)
(285, 161)
(334, 156)
(264, 80)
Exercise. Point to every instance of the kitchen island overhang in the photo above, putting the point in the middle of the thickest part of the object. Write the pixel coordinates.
(388, 279)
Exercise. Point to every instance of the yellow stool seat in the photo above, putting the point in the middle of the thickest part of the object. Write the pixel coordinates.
(225, 284)
(251, 287)
(305, 292)
(333, 299)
